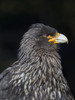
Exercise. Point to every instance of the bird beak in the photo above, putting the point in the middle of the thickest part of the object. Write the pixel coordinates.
(58, 38)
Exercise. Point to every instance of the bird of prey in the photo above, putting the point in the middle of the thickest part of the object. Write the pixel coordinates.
(37, 74)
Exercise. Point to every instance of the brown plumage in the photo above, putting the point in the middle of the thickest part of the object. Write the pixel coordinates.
(37, 74)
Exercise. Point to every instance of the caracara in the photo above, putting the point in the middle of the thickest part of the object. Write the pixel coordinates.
(37, 73)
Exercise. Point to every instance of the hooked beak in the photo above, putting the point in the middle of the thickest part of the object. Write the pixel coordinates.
(61, 39)
(58, 38)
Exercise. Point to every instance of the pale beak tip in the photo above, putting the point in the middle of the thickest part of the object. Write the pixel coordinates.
(62, 39)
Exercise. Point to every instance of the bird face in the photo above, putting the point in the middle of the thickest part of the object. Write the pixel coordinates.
(49, 33)
(57, 38)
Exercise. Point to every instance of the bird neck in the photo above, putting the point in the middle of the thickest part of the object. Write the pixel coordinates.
(45, 66)
(43, 74)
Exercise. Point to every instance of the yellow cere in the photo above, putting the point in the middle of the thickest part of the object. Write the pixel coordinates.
(52, 38)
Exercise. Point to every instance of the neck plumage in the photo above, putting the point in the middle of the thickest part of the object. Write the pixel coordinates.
(44, 74)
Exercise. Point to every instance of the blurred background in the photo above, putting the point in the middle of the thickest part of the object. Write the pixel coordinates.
(17, 15)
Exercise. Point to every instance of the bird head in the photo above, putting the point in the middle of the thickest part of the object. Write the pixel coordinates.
(41, 38)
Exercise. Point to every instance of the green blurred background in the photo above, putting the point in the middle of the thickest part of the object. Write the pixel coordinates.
(17, 15)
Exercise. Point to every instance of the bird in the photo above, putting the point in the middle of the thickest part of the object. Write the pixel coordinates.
(37, 73)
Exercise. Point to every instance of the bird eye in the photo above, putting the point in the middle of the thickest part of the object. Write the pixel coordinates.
(45, 35)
